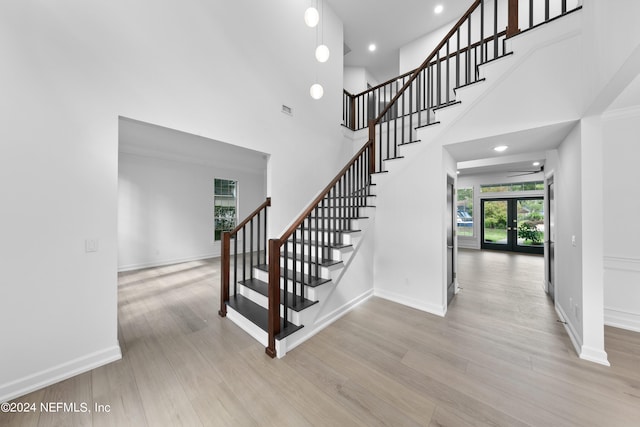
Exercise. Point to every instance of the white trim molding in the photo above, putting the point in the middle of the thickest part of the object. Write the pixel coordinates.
(438, 310)
(58, 373)
(621, 263)
(614, 315)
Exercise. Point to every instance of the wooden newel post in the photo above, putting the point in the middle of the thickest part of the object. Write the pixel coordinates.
(372, 141)
(512, 24)
(224, 276)
(274, 296)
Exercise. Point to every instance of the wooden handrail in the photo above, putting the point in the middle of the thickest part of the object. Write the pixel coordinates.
(251, 216)
(321, 196)
(427, 61)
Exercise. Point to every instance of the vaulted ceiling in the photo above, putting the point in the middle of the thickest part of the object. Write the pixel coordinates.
(390, 25)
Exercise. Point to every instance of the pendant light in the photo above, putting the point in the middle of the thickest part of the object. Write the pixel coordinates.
(322, 51)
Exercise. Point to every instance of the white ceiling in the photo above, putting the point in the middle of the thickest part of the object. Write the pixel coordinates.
(146, 139)
(525, 147)
(390, 25)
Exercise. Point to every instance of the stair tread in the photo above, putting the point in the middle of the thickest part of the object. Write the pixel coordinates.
(325, 262)
(352, 196)
(260, 315)
(333, 246)
(305, 279)
(345, 217)
(446, 104)
(410, 142)
(294, 302)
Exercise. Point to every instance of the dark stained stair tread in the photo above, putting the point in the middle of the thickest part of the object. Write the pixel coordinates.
(259, 315)
(311, 281)
(294, 302)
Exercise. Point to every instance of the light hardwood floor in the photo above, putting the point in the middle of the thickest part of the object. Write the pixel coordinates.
(499, 358)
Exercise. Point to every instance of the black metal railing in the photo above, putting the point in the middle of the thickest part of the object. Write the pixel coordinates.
(404, 103)
(296, 257)
(249, 251)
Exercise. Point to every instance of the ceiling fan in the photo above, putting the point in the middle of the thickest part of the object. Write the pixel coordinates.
(529, 172)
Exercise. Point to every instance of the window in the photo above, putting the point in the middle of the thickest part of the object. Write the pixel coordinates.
(516, 186)
(464, 212)
(225, 206)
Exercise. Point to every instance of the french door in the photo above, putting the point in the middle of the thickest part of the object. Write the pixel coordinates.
(514, 224)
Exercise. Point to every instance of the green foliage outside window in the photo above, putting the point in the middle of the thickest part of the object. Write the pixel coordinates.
(225, 206)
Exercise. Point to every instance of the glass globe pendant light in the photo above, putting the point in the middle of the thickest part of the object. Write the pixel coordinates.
(322, 53)
(316, 91)
(311, 17)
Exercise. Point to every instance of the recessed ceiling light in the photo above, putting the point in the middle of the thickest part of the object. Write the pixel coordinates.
(536, 163)
(500, 148)
(438, 9)
(372, 47)
(457, 172)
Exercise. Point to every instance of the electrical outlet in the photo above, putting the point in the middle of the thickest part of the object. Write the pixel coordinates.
(91, 245)
(573, 240)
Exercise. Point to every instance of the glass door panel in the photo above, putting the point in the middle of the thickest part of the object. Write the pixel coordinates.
(494, 222)
(513, 224)
(530, 222)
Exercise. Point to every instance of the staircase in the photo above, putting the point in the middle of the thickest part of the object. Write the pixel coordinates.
(282, 290)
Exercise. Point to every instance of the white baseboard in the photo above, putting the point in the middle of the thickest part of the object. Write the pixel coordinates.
(594, 355)
(571, 331)
(55, 374)
(150, 264)
(621, 319)
(438, 310)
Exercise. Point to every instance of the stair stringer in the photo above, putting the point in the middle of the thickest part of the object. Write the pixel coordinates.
(350, 286)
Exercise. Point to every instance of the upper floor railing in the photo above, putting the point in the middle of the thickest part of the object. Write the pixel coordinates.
(478, 37)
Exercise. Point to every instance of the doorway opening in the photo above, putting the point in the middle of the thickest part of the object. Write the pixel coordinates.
(513, 224)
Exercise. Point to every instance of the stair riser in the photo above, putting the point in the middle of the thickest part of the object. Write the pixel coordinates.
(351, 224)
(325, 272)
(295, 317)
(325, 238)
(357, 200)
(332, 253)
(264, 276)
(363, 211)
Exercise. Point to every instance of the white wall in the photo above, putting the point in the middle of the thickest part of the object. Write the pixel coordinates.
(611, 38)
(409, 262)
(165, 209)
(217, 69)
(621, 204)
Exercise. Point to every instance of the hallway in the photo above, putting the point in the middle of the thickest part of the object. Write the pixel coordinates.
(498, 358)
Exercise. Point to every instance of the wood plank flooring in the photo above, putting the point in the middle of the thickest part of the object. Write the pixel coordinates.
(499, 358)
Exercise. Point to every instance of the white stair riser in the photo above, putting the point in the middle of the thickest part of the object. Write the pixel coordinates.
(296, 317)
(353, 224)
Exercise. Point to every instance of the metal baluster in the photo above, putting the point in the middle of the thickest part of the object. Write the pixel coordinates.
(244, 254)
(468, 52)
(235, 264)
(564, 7)
(482, 31)
(285, 299)
(447, 74)
(546, 10)
(530, 13)
(411, 111)
(318, 256)
(495, 29)
(458, 58)
(251, 249)
(439, 83)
